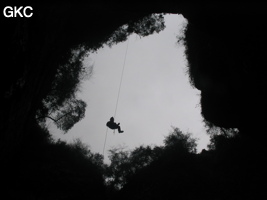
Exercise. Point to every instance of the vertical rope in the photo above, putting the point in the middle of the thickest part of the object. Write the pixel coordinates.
(121, 79)
(118, 94)
(105, 142)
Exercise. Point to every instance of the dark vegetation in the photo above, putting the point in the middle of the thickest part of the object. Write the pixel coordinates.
(43, 68)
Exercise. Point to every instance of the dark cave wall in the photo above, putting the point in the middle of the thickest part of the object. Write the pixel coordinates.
(226, 53)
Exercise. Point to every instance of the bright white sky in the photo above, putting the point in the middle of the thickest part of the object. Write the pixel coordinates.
(155, 93)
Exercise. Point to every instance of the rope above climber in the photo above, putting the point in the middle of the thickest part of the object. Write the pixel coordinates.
(112, 125)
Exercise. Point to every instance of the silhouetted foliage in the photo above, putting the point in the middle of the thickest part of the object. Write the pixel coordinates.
(161, 170)
(125, 164)
(143, 27)
(138, 172)
(180, 141)
(68, 115)
(68, 79)
(61, 104)
(115, 174)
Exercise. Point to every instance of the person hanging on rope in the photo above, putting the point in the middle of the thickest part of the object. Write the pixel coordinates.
(112, 125)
